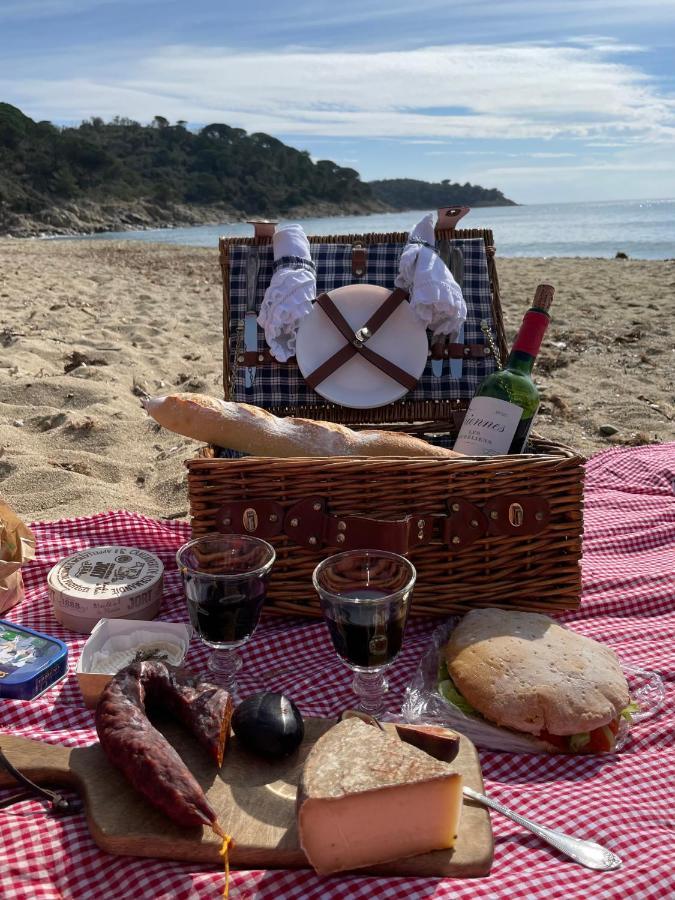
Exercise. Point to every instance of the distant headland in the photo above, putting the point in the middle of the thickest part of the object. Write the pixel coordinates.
(119, 175)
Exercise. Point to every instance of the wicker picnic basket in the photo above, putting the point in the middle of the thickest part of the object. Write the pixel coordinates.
(501, 531)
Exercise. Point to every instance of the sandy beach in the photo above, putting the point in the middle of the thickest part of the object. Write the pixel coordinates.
(87, 326)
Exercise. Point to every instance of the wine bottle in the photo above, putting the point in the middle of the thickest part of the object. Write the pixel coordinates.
(500, 415)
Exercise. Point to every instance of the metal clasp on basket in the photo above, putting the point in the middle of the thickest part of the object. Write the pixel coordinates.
(516, 515)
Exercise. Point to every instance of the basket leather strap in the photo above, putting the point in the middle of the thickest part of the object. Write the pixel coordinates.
(439, 350)
(309, 523)
(356, 341)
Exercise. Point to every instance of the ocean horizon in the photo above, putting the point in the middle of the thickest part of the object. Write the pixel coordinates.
(642, 229)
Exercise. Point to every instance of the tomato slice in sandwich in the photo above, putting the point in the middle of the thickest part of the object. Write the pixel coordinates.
(561, 741)
(600, 740)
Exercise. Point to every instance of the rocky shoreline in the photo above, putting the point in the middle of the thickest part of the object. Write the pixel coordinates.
(86, 217)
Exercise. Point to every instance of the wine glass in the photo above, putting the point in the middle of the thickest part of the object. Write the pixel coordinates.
(225, 578)
(365, 597)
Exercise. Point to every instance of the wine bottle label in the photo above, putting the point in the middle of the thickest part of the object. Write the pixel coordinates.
(488, 427)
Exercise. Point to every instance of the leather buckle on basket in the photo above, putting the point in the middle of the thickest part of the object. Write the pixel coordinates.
(260, 518)
(505, 515)
(307, 522)
(465, 523)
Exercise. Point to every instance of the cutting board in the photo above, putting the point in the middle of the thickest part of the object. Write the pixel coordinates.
(254, 800)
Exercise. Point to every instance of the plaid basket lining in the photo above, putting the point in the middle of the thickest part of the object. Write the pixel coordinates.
(279, 385)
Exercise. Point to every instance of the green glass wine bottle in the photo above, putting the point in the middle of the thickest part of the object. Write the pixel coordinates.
(500, 415)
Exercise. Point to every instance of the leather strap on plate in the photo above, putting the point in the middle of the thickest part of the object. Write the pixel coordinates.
(356, 345)
(325, 303)
(382, 313)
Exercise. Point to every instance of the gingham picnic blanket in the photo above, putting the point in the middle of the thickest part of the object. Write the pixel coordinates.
(626, 803)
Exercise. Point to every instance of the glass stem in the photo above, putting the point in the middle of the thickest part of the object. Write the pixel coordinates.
(225, 664)
(370, 687)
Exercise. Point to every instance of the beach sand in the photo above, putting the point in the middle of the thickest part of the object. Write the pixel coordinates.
(87, 326)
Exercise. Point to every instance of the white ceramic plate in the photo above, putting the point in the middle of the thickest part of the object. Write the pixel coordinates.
(358, 384)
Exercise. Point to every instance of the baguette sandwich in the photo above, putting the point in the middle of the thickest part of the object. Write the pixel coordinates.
(524, 672)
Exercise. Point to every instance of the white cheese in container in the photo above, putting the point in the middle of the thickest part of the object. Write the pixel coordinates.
(114, 643)
(105, 583)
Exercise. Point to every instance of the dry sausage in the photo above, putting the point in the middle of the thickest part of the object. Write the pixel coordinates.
(144, 756)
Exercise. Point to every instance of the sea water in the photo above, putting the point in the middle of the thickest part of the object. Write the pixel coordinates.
(643, 229)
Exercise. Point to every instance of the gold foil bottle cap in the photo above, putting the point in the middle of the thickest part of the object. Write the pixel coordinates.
(543, 297)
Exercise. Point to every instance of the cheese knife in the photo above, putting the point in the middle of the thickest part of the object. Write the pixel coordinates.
(457, 269)
(250, 319)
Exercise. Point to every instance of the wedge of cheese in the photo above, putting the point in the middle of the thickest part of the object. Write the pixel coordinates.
(365, 797)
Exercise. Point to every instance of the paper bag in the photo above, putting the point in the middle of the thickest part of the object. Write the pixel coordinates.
(17, 546)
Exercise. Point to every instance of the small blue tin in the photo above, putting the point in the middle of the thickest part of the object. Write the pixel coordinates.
(30, 662)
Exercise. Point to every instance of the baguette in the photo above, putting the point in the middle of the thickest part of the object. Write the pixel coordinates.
(249, 429)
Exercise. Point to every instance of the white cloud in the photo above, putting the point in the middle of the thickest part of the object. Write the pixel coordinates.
(520, 91)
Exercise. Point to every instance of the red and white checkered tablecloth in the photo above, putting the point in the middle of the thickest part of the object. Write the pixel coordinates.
(626, 803)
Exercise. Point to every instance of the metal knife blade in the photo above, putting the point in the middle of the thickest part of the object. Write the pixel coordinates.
(444, 253)
(250, 323)
(457, 269)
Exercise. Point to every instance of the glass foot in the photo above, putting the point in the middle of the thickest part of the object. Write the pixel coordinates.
(224, 665)
(370, 688)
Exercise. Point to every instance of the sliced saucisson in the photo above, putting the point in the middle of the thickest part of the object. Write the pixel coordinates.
(144, 755)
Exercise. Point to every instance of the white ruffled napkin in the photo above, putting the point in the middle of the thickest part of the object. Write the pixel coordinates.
(434, 294)
(288, 299)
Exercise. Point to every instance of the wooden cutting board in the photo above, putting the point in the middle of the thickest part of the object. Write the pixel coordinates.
(254, 800)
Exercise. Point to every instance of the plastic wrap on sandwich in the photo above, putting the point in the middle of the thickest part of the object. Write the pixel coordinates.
(432, 697)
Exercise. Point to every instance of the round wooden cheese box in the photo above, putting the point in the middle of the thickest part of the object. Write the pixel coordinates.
(105, 583)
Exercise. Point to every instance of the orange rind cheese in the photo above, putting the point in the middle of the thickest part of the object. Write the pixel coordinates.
(365, 798)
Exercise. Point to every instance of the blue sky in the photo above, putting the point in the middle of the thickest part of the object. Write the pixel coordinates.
(548, 101)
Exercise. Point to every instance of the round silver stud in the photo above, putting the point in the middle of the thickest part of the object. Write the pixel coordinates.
(455, 540)
(421, 523)
(474, 523)
(240, 359)
(340, 538)
(455, 507)
(316, 507)
(312, 540)
(261, 358)
(294, 523)
(227, 521)
(494, 514)
(274, 517)
(539, 516)
(342, 526)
